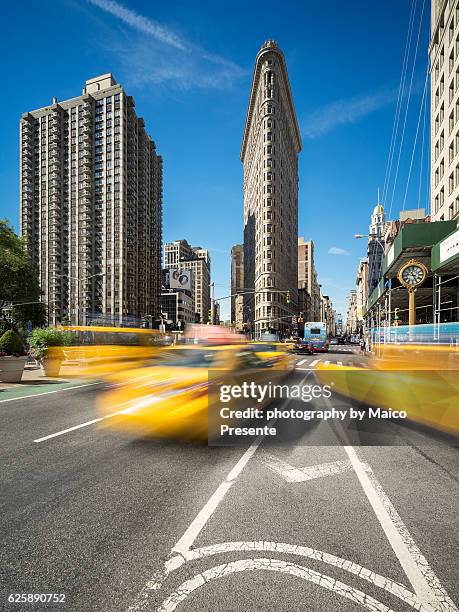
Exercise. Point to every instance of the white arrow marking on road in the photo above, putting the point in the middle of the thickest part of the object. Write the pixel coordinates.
(293, 474)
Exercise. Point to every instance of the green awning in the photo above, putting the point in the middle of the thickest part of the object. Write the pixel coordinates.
(445, 254)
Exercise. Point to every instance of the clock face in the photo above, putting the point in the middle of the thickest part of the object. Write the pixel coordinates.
(413, 275)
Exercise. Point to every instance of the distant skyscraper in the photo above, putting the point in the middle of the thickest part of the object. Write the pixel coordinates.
(307, 278)
(91, 205)
(179, 254)
(270, 148)
(361, 282)
(444, 111)
(352, 321)
(376, 246)
(237, 283)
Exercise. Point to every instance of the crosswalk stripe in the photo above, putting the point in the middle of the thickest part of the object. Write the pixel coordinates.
(327, 363)
(313, 363)
(340, 363)
(301, 362)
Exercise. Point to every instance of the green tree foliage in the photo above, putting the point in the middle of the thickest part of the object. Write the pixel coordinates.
(11, 343)
(18, 279)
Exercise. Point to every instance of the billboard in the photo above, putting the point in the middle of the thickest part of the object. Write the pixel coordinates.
(180, 279)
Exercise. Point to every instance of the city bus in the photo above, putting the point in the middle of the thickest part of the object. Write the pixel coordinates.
(315, 333)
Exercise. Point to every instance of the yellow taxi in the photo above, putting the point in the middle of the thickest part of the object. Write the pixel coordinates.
(276, 353)
(420, 379)
(99, 351)
(173, 396)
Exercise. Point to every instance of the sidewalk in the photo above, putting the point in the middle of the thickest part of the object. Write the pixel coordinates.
(34, 383)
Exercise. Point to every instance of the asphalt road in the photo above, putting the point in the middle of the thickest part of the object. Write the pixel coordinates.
(119, 523)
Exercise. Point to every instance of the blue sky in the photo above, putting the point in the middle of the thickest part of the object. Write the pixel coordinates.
(189, 67)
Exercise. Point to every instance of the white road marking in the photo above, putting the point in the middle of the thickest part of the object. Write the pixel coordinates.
(190, 535)
(424, 581)
(315, 362)
(64, 431)
(423, 599)
(186, 541)
(327, 362)
(13, 399)
(392, 587)
(340, 363)
(275, 565)
(293, 474)
(301, 362)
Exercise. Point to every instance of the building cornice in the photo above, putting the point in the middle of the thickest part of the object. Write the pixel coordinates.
(267, 48)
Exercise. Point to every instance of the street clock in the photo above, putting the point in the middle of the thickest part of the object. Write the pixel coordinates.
(412, 274)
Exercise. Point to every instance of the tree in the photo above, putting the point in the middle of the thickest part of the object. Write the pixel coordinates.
(18, 279)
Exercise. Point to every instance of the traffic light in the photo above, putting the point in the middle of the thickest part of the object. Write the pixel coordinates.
(209, 314)
(287, 297)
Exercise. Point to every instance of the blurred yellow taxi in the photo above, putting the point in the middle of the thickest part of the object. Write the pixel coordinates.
(275, 353)
(99, 351)
(422, 380)
(173, 396)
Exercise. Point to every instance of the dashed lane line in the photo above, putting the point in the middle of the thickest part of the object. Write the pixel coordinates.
(64, 431)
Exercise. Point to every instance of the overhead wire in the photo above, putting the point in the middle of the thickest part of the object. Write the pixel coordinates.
(401, 89)
(407, 109)
(421, 108)
(421, 165)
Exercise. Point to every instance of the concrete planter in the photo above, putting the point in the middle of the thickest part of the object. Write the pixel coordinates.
(11, 368)
(51, 364)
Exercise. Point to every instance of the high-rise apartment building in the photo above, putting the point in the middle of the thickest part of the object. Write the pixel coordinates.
(307, 279)
(91, 205)
(179, 254)
(270, 147)
(444, 111)
(237, 284)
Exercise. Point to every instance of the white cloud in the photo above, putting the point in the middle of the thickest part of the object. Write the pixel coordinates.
(344, 112)
(159, 55)
(337, 251)
(141, 23)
